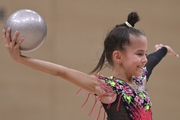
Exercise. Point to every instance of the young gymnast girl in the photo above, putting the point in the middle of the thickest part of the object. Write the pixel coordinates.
(123, 95)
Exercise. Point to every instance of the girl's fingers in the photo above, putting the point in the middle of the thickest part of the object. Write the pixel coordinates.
(11, 43)
(175, 54)
(157, 47)
(19, 42)
(4, 35)
(15, 37)
(171, 51)
(5, 39)
(161, 45)
(8, 35)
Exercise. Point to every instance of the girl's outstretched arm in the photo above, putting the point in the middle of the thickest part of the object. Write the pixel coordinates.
(155, 57)
(85, 81)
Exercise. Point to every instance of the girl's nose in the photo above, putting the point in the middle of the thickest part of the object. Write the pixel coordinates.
(144, 60)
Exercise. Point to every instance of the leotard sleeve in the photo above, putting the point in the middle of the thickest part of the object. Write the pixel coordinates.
(154, 59)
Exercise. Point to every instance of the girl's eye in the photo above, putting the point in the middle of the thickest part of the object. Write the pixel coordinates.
(140, 54)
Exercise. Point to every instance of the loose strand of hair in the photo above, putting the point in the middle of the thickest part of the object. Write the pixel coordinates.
(100, 64)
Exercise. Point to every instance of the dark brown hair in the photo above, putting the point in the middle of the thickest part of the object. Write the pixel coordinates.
(116, 39)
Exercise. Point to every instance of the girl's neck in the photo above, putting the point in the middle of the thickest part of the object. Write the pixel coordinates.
(121, 75)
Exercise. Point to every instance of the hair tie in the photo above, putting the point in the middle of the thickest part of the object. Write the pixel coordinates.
(128, 24)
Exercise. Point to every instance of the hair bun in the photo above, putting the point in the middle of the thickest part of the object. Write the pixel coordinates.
(133, 18)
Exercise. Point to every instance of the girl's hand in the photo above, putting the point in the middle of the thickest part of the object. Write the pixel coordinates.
(11, 45)
(170, 50)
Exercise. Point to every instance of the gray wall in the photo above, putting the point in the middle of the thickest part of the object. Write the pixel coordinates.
(76, 30)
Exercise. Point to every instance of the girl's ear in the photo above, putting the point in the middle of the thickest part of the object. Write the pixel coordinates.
(117, 56)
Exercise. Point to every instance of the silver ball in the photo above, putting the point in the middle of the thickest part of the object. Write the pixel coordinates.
(30, 25)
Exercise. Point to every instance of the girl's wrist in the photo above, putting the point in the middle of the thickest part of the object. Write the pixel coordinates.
(20, 59)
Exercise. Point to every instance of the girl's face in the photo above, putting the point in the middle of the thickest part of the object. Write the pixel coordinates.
(134, 57)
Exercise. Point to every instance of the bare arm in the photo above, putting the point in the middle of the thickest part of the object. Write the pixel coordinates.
(78, 78)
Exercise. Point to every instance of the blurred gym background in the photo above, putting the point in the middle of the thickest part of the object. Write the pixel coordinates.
(76, 30)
